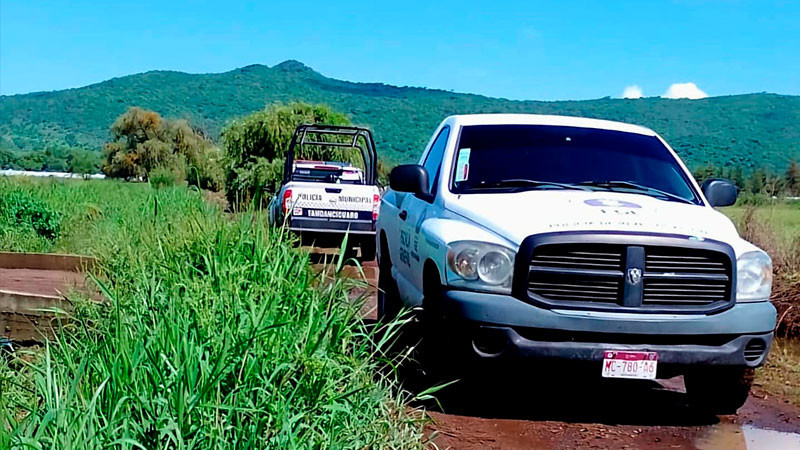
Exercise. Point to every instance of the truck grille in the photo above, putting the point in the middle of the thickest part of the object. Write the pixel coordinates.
(567, 273)
(579, 257)
(669, 278)
(699, 277)
(679, 260)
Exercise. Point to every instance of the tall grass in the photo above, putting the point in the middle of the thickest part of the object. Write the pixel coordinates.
(776, 229)
(214, 338)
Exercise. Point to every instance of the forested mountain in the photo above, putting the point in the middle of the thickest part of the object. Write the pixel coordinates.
(747, 130)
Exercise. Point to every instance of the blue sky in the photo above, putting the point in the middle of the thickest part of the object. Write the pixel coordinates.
(520, 50)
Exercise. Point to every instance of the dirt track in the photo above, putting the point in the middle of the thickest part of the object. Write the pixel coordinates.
(523, 411)
(548, 411)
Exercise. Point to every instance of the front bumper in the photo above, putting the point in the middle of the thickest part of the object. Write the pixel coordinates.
(501, 326)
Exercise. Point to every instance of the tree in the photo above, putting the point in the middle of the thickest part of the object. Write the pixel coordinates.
(793, 178)
(256, 146)
(83, 162)
(143, 141)
(757, 181)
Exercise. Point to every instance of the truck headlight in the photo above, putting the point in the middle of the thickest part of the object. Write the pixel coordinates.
(753, 277)
(480, 266)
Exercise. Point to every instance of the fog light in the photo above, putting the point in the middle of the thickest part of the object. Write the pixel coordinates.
(754, 350)
(489, 342)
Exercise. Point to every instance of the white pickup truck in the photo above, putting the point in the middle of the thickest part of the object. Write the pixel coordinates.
(553, 239)
(324, 200)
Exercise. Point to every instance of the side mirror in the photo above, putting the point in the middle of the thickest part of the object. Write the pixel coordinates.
(720, 192)
(411, 178)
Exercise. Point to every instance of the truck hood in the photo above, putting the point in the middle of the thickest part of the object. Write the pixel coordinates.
(519, 215)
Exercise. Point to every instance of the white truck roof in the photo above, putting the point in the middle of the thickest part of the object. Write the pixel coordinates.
(541, 119)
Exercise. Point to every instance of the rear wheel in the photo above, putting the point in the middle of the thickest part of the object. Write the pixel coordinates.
(719, 390)
(389, 303)
(368, 249)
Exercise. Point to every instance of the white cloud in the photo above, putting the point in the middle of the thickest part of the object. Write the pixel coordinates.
(684, 90)
(633, 91)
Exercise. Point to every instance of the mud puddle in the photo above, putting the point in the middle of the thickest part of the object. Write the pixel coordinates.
(731, 436)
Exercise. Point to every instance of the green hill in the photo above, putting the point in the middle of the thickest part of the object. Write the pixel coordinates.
(750, 130)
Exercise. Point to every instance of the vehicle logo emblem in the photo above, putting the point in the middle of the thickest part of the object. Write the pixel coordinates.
(611, 203)
(635, 275)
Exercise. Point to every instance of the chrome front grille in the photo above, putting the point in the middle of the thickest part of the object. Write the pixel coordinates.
(650, 277)
(574, 288)
(679, 277)
(683, 292)
(579, 257)
(679, 260)
(572, 273)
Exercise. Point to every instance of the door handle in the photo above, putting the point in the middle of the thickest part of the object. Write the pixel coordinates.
(403, 214)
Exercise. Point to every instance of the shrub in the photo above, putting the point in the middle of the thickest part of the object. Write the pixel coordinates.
(256, 147)
(143, 142)
(785, 255)
(161, 177)
(204, 170)
(21, 209)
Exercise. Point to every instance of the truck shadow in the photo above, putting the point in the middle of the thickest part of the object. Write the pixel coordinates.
(522, 394)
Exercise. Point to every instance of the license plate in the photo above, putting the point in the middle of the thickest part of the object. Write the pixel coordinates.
(627, 364)
(332, 214)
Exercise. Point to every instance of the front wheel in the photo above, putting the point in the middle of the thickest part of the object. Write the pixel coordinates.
(719, 390)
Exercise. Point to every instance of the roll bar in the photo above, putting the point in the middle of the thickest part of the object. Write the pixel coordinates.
(310, 134)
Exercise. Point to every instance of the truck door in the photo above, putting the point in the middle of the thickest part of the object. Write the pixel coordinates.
(413, 212)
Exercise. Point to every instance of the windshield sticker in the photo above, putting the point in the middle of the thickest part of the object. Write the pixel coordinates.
(462, 164)
(611, 203)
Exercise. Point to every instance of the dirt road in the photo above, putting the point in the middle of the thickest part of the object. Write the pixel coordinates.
(552, 411)
(535, 408)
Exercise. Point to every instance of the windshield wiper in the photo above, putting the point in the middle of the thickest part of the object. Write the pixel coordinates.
(651, 191)
(524, 183)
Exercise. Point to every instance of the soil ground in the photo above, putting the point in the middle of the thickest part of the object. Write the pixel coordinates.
(523, 409)
(551, 411)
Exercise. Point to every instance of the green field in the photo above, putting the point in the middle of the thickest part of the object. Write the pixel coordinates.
(781, 218)
(746, 131)
(213, 336)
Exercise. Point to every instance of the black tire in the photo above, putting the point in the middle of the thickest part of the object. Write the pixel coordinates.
(389, 303)
(368, 249)
(442, 352)
(719, 390)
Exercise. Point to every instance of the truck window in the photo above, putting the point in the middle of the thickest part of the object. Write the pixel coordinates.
(434, 158)
(567, 155)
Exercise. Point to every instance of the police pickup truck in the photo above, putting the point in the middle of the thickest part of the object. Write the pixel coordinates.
(546, 239)
(324, 200)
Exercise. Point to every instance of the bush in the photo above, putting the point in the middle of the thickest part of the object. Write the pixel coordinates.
(164, 177)
(256, 180)
(21, 209)
(205, 170)
(143, 142)
(256, 147)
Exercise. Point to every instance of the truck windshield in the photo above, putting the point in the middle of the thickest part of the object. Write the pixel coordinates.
(502, 158)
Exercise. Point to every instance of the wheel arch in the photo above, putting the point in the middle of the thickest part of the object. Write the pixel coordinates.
(431, 276)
